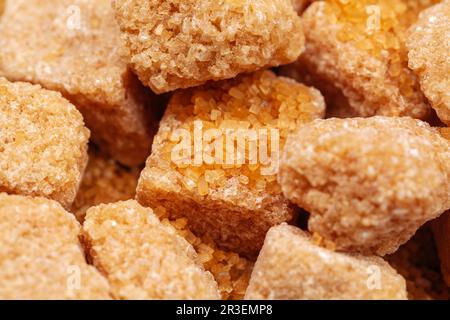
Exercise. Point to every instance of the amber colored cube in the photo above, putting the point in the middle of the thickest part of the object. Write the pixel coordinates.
(73, 46)
(104, 181)
(223, 184)
(143, 258)
(173, 44)
(292, 266)
(43, 143)
(41, 256)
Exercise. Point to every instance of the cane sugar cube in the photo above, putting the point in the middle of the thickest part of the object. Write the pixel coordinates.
(72, 46)
(43, 143)
(214, 159)
(104, 181)
(143, 258)
(429, 48)
(173, 44)
(441, 230)
(40, 254)
(368, 183)
(292, 266)
(418, 262)
(359, 46)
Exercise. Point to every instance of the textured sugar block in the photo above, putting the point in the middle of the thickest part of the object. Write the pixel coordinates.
(291, 266)
(428, 56)
(441, 230)
(75, 50)
(368, 183)
(141, 257)
(338, 105)
(43, 143)
(174, 44)
(40, 254)
(234, 202)
(359, 46)
(104, 181)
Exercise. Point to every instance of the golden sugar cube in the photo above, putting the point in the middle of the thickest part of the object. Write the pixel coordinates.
(428, 56)
(368, 183)
(291, 266)
(441, 229)
(143, 258)
(231, 193)
(76, 50)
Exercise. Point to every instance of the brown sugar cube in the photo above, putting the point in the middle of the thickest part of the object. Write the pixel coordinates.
(40, 254)
(291, 266)
(337, 103)
(75, 50)
(359, 46)
(429, 49)
(223, 183)
(445, 132)
(141, 257)
(368, 183)
(104, 181)
(43, 143)
(230, 270)
(441, 230)
(174, 44)
(418, 262)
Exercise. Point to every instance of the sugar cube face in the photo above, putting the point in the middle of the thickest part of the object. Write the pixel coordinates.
(41, 257)
(291, 266)
(141, 257)
(174, 44)
(231, 196)
(368, 183)
(441, 230)
(428, 56)
(43, 143)
(359, 46)
(104, 181)
(75, 50)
